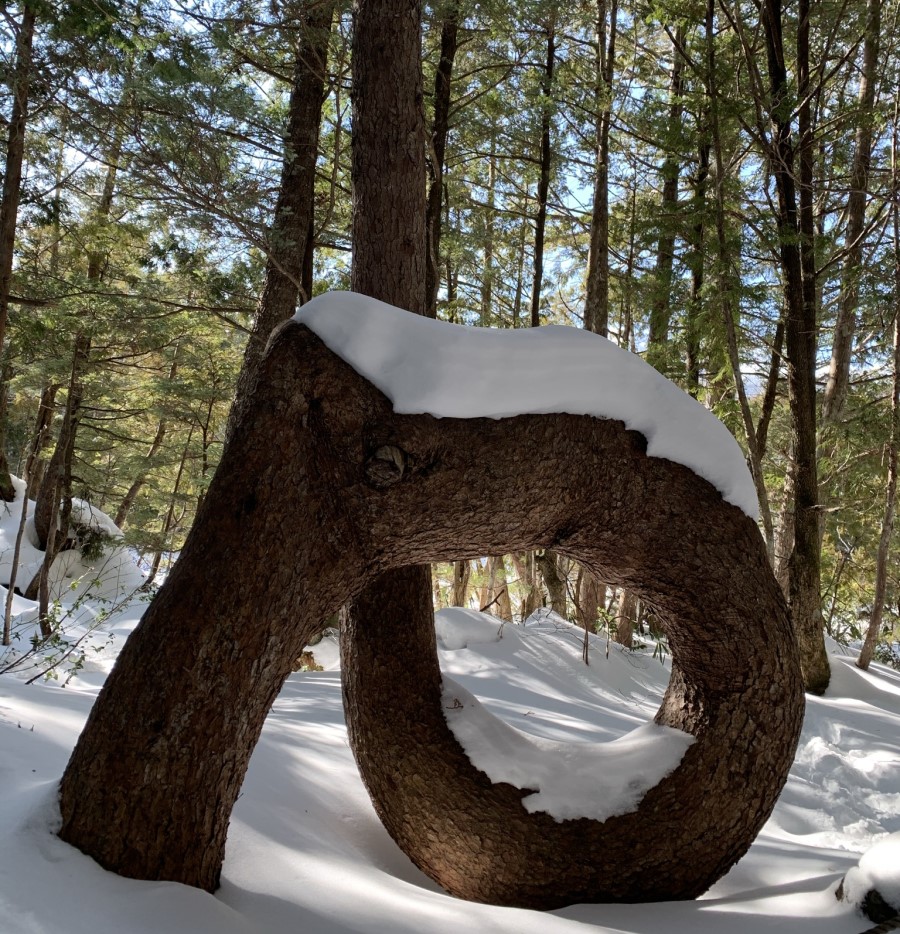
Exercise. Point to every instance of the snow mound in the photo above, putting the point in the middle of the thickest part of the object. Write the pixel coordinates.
(568, 780)
(451, 371)
(873, 885)
(458, 628)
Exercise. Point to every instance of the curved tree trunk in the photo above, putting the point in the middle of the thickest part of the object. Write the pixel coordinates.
(150, 786)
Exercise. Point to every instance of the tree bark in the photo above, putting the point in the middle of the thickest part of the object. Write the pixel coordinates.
(555, 583)
(661, 303)
(440, 129)
(837, 386)
(626, 611)
(153, 778)
(12, 186)
(596, 304)
(591, 598)
(697, 262)
(887, 522)
(459, 593)
(543, 191)
(800, 331)
(7, 490)
(487, 265)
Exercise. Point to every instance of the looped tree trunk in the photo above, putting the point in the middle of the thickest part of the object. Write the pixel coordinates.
(356, 490)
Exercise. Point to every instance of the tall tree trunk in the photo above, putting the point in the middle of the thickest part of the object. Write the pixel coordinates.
(487, 266)
(288, 274)
(591, 597)
(596, 304)
(548, 562)
(697, 264)
(7, 490)
(460, 591)
(20, 84)
(53, 507)
(838, 382)
(543, 191)
(728, 305)
(771, 391)
(800, 332)
(661, 302)
(440, 129)
(388, 176)
(626, 613)
(520, 266)
(887, 522)
(169, 519)
(35, 465)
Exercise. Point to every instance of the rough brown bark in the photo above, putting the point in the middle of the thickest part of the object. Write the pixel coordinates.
(388, 176)
(591, 597)
(151, 783)
(388, 160)
(287, 277)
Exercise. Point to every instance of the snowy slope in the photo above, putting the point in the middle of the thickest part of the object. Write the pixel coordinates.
(451, 371)
(306, 851)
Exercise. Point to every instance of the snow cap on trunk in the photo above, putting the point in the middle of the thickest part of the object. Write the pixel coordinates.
(451, 371)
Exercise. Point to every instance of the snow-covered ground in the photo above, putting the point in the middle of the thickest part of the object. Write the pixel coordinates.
(306, 851)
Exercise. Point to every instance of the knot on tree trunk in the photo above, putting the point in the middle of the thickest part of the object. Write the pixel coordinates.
(386, 466)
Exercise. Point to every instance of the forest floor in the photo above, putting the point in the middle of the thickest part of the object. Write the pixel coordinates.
(306, 851)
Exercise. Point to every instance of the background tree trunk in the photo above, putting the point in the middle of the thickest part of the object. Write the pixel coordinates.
(440, 129)
(287, 277)
(800, 331)
(596, 304)
(546, 154)
(838, 383)
(661, 303)
(9, 201)
(460, 590)
(887, 523)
